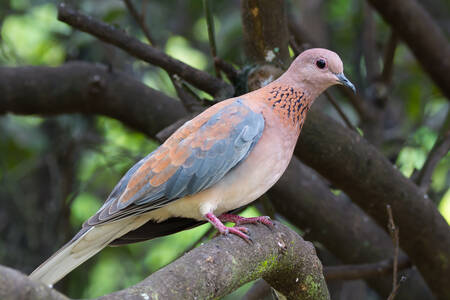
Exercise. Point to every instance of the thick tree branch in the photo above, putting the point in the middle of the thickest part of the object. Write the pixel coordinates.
(307, 202)
(15, 285)
(79, 87)
(418, 30)
(372, 182)
(133, 46)
(353, 272)
(215, 269)
(265, 31)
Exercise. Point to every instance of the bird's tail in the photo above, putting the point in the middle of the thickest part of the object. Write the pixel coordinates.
(88, 242)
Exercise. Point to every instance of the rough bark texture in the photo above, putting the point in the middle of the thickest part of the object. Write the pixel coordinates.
(212, 270)
(372, 182)
(15, 285)
(342, 227)
(80, 87)
(423, 36)
(265, 31)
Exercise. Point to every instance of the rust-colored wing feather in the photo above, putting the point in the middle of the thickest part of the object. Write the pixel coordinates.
(194, 158)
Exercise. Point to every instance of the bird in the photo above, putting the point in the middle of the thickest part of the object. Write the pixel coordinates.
(221, 160)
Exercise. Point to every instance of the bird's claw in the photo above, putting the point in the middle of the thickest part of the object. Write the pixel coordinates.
(238, 220)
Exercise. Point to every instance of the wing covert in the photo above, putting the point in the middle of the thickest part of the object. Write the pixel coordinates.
(194, 158)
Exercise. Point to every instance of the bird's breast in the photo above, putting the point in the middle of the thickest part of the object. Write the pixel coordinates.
(259, 171)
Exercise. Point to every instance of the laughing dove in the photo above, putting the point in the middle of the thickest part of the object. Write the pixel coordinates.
(223, 159)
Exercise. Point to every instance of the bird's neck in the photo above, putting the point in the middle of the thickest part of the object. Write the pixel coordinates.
(289, 103)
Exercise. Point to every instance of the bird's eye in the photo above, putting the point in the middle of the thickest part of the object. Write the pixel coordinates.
(321, 63)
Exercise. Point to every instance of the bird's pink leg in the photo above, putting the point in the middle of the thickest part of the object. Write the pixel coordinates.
(239, 231)
(238, 220)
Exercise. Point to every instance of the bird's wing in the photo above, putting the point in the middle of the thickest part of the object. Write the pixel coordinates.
(194, 158)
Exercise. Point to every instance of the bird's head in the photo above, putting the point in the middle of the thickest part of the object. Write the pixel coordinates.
(317, 69)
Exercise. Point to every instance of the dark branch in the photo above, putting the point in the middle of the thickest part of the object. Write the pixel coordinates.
(394, 232)
(305, 200)
(211, 35)
(79, 87)
(265, 32)
(439, 150)
(340, 111)
(364, 271)
(371, 181)
(214, 269)
(418, 30)
(139, 18)
(388, 59)
(133, 46)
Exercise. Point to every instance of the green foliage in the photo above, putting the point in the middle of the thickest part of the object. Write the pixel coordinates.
(30, 38)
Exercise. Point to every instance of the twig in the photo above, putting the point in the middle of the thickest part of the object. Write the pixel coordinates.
(393, 231)
(368, 43)
(295, 47)
(363, 271)
(133, 46)
(340, 111)
(228, 69)
(388, 58)
(356, 101)
(439, 150)
(189, 99)
(211, 35)
(140, 20)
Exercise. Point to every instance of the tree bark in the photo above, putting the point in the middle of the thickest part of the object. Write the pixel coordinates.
(341, 226)
(79, 87)
(265, 32)
(213, 270)
(371, 181)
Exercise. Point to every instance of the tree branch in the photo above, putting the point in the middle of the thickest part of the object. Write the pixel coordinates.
(372, 182)
(133, 46)
(211, 35)
(439, 150)
(362, 271)
(306, 201)
(214, 269)
(417, 29)
(265, 32)
(79, 87)
(140, 20)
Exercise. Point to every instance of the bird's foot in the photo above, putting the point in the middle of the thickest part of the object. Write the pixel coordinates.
(238, 220)
(237, 230)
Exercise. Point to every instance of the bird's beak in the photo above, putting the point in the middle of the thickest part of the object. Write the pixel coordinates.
(344, 81)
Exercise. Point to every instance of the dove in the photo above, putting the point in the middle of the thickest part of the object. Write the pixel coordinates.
(221, 160)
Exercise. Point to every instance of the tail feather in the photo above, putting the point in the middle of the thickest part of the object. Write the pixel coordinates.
(81, 248)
